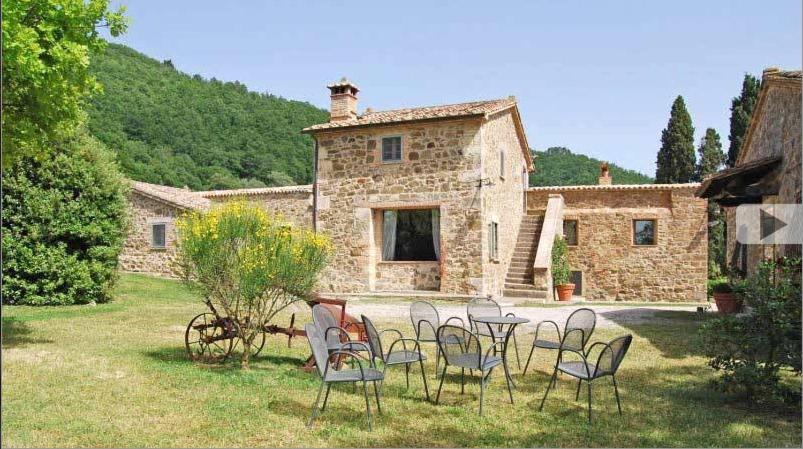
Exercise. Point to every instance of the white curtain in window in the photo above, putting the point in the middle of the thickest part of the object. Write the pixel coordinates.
(389, 235)
(436, 232)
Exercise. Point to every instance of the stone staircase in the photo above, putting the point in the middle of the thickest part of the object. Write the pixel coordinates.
(519, 280)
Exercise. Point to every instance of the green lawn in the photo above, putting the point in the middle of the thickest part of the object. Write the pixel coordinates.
(116, 375)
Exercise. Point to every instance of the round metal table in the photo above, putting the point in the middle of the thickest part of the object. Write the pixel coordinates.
(511, 322)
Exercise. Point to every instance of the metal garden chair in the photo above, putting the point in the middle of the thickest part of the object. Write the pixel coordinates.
(461, 348)
(607, 364)
(329, 374)
(336, 337)
(576, 333)
(426, 321)
(481, 306)
(404, 356)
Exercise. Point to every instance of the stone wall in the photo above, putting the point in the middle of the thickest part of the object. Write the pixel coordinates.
(503, 200)
(440, 169)
(138, 255)
(777, 131)
(675, 269)
(405, 276)
(295, 207)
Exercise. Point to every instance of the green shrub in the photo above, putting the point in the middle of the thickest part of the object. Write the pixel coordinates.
(63, 226)
(561, 273)
(249, 264)
(719, 285)
(751, 349)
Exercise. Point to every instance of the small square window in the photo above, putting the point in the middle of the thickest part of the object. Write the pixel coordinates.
(643, 232)
(158, 239)
(570, 232)
(392, 149)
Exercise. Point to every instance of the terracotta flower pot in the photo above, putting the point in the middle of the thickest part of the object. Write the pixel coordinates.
(565, 291)
(727, 303)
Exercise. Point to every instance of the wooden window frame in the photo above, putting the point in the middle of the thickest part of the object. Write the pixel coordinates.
(382, 149)
(654, 232)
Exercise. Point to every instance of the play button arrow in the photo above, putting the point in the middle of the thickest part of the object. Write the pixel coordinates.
(770, 224)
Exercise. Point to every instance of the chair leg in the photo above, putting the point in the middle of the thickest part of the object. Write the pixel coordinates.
(589, 401)
(482, 388)
(516, 347)
(551, 381)
(326, 397)
(424, 377)
(526, 365)
(315, 406)
(437, 358)
(616, 391)
(407, 374)
(376, 394)
(443, 374)
(367, 404)
(507, 379)
(462, 381)
(577, 394)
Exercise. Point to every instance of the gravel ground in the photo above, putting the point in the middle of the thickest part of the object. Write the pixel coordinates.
(607, 316)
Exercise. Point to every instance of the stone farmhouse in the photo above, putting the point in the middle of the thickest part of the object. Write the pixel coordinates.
(434, 201)
(768, 169)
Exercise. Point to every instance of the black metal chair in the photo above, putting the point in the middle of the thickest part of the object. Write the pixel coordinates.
(481, 306)
(329, 374)
(583, 319)
(426, 321)
(607, 364)
(461, 348)
(404, 356)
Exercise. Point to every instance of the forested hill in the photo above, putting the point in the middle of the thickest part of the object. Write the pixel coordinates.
(559, 166)
(175, 129)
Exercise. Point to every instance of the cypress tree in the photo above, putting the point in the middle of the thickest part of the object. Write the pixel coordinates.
(741, 111)
(711, 155)
(676, 157)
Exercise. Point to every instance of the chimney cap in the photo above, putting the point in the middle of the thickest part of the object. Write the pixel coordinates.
(772, 69)
(344, 82)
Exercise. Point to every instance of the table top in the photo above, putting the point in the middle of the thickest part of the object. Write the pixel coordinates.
(500, 319)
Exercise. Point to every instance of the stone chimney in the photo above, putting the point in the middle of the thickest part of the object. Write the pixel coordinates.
(604, 175)
(344, 100)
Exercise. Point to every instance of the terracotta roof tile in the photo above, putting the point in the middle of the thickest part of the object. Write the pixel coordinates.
(692, 185)
(474, 108)
(257, 191)
(181, 198)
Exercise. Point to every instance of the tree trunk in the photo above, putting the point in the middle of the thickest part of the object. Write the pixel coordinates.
(246, 353)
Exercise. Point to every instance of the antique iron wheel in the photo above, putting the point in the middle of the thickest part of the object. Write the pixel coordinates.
(209, 339)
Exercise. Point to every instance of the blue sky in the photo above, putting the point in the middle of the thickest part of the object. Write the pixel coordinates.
(597, 77)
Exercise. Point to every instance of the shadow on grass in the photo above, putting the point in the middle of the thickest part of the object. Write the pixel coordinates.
(17, 333)
(673, 332)
(177, 356)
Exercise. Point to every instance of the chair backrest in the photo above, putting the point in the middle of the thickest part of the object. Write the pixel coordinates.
(611, 357)
(318, 347)
(323, 319)
(584, 319)
(455, 341)
(482, 306)
(374, 342)
(425, 319)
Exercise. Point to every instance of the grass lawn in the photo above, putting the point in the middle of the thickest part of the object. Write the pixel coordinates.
(116, 375)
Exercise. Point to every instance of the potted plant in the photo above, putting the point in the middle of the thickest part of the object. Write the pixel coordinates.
(727, 302)
(560, 270)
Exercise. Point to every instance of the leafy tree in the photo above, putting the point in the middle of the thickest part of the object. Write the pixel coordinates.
(676, 156)
(741, 111)
(711, 155)
(46, 47)
(559, 166)
(63, 225)
(175, 129)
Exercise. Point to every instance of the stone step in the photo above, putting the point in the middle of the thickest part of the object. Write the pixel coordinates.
(529, 293)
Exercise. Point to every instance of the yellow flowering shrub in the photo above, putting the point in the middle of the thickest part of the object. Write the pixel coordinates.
(249, 263)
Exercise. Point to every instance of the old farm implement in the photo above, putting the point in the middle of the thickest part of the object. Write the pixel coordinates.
(211, 337)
